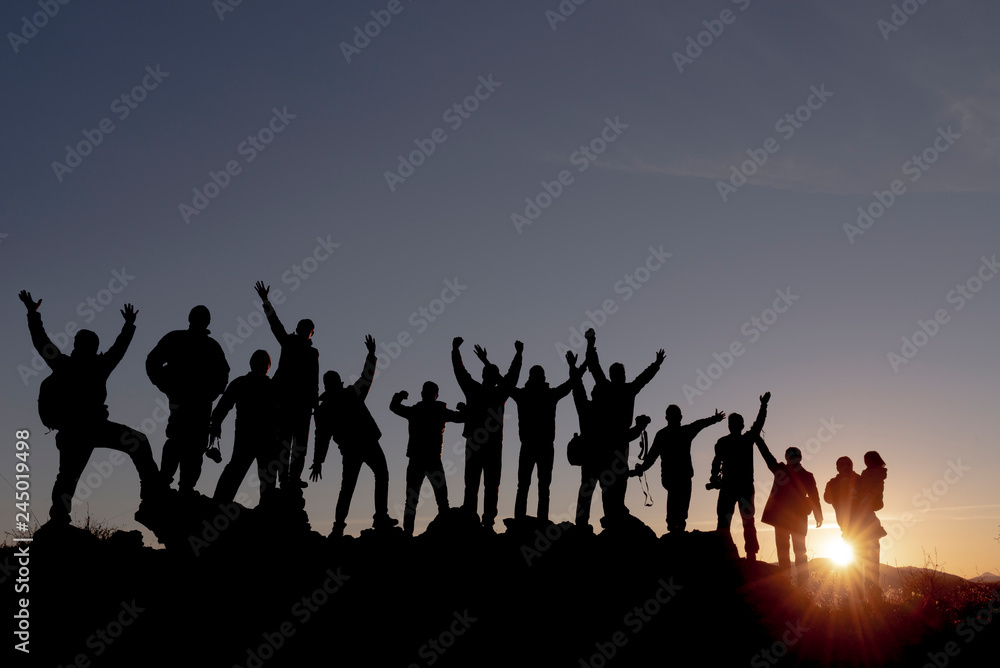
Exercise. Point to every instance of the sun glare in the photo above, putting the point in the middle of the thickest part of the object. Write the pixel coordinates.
(842, 553)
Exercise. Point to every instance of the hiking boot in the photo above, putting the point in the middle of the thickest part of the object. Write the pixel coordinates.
(384, 522)
(338, 530)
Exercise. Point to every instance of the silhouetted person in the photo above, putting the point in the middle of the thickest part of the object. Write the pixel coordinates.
(71, 401)
(841, 492)
(614, 401)
(297, 383)
(256, 436)
(732, 475)
(793, 497)
(484, 427)
(191, 369)
(536, 426)
(866, 530)
(672, 445)
(426, 420)
(343, 416)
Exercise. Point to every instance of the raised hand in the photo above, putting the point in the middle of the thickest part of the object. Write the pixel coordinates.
(261, 290)
(403, 394)
(518, 346)
(460, 406)
(590, 335)
(481, 353)
(643, 421)
(571, 358)
(316, 472)
(660, 356)
(456, 342)
(370, 344)
(719, 415)
(766, 397)
(29, 304)
(129, 313)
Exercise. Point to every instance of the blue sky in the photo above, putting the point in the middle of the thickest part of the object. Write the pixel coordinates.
(553, 92)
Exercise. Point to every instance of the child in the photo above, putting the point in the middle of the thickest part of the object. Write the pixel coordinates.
(672, 445)
(427, 420)
(865, 527)
(256, 429)
(793, 496)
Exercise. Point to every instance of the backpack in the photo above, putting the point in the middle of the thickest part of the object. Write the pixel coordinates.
(53, 400)
(576, 451)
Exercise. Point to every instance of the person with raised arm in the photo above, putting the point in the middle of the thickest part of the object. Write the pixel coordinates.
(793, 496)
(297, 383)
(732, 475)
(426, 422)
(484, 427)
(71, 401)
(343, 416)
(672, 445)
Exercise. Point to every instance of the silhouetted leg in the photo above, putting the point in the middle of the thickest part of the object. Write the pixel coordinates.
(74, 453)
(801, 560)
(473, 472)
(749, 529)
(588, 483)
(352, 467)
(544, 457)
(191, 428)
(435, 473)
(268, 464)
(235, 471)
(525, 465)
(781, 537)
(678, 503)
(375, 458)
(300, 438)
(492, 466)
(414, 479)
(619, 484)
(726, 508)
(135, 444)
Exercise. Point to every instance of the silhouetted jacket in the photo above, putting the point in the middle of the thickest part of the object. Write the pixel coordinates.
(672, 445)
(256, 404)
(297, 375)
(483, 404)
(188, 365)
(616, 401)
(85, 376)
(793, 495)
(536, 410)
(343, 416)
(871, 486)
(426, 426)
(841, 493)
(734, 454)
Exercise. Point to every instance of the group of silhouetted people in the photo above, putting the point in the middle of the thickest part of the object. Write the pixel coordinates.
(273, 416)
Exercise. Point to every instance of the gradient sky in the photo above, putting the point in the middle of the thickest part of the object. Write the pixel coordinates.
(657, 185)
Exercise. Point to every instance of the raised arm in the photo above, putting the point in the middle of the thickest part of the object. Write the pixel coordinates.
(363, 384)
(39, 339)
(457, 415)
(591, 360)
(758, 424)
(461, 373)
(772, 463)
(397, 407)
(647, 374)
(698, 425)
(272, 317)
(641, 422)
(509, 381)
(117, 350)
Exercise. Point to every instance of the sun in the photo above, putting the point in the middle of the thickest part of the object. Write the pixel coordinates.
(842, 553)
